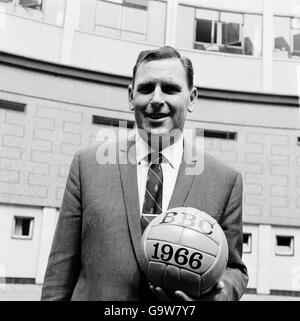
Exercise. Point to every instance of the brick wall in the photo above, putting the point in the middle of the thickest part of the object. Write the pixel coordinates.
(269, 161)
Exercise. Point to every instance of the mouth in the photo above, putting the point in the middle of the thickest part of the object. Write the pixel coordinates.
(157, 116)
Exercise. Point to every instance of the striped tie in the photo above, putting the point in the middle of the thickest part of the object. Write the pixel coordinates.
(154, 190)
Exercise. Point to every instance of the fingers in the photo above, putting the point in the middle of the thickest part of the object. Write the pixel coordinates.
(181, 296)
(159, 293)
(217, 293)
(220, 285)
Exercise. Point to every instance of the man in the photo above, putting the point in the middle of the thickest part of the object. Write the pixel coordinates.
(96, 248)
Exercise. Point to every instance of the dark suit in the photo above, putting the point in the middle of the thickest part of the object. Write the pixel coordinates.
(96, 248)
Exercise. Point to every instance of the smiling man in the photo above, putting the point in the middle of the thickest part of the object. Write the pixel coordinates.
(96, 251)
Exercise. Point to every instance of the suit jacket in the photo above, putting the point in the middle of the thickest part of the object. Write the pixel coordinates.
(96, 252)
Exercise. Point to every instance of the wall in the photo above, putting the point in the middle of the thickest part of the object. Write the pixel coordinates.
(19, 257)
(37, 146)
(31, 38)
(251, 259)
(285, 269)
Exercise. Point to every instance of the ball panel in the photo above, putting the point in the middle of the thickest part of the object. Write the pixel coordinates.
(214, 273)
(206, 260)
(190, 283)
(171, 280)
(188, 218)
(193, 239)
(159, 232)
(155, 273)
(214, 236)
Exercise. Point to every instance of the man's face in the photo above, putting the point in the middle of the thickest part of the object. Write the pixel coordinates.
(161, 97)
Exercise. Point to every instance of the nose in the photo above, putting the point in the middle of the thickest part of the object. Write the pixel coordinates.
(157, 98)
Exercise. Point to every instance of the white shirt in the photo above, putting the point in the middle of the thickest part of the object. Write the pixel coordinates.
(170, 167)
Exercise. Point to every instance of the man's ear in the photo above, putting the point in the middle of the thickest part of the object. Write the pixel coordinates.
(130, 97)
(193, 98)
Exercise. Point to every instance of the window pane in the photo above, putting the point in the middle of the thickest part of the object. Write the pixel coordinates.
(203, 30)
(231, 17)
(284, 245)
(247, 242)
(26, 227)
(282, 33)
(296, 40)
(22, 226)
(203, 14)
(134, 20)
(31, 3)
(54, 11)
(284, 241)
(109, 14)
(231, 34)
(18, 226)
(245, 238)
(136, 3)
(252, 34)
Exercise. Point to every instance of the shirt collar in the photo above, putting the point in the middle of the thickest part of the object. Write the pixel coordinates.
(172, 153)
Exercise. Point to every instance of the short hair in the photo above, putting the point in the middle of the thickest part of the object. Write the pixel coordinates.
(166, 52)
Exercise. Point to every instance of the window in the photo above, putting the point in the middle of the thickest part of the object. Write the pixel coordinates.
(136, 3)
(209, 133)
(218, 31)
(129, 19)
(22, 227)
(247, 242)
(295, 37)
(286, 37)
(231, 34)
(31, 3)
(282, 42)
(237, 33)
(231, 29)
(115, 122)
(11, 105)
(284, 245)
(206, 31)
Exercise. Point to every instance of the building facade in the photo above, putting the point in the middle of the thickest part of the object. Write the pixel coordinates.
(64, 70)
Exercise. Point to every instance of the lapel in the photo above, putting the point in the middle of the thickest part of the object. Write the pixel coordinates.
(128, 172)
(189, 168)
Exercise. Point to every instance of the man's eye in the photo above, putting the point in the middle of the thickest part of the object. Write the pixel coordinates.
(145, 89)
(170, 89)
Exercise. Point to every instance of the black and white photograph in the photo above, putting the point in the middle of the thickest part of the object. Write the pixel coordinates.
(150, 152)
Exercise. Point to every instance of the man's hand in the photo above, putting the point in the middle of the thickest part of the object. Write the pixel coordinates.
(217, 293)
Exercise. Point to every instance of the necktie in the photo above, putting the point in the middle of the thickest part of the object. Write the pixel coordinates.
(154, 189)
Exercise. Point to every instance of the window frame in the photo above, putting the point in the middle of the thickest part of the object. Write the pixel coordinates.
(291, 43)
(120, 29)
(292, 247)
(249, 249)
(219, 24)
(292, 36)
(22, 237)
(17, 3)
